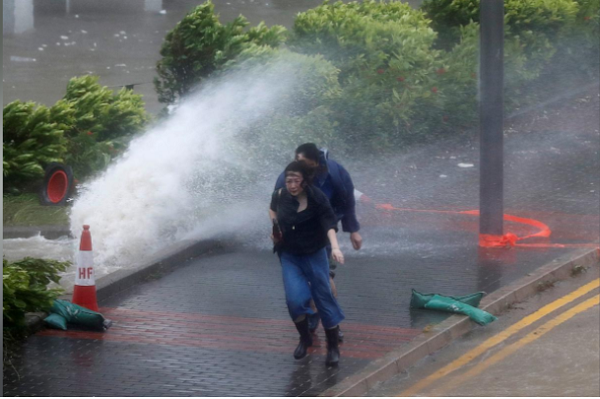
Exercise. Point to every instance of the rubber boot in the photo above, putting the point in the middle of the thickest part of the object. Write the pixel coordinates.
(305, 339)
(333, 350)
(340, 335)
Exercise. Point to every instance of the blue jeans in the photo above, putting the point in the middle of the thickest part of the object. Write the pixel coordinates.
(306, 277)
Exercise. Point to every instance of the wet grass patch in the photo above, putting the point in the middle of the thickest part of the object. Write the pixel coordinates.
(25, 210)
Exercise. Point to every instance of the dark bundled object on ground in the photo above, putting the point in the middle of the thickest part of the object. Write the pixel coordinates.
(64, 312)
(466, 305)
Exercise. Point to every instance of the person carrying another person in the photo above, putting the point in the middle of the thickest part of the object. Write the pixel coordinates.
(305, 224)
(335, 182)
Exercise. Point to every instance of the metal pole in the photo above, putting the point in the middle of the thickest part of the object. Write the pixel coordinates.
(491, 72)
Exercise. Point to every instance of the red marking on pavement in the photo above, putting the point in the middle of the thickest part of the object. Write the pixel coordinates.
(234, 333)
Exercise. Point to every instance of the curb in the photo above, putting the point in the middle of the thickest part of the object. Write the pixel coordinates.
(454, 326)
(49, 232)
(163, 263)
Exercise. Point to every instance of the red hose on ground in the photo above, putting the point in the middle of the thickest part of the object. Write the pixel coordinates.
(507, 240)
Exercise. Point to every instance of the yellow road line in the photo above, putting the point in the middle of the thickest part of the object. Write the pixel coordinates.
(512, 348)
(501, 336)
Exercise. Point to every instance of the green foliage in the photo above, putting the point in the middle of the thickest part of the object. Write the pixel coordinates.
(578, 49)
(31, 140)
(387, 65)
(86, 130)
(200, 45)
(545, 18)
(25, 288)
(381, 74)
(99, 110)
(368, 34)
(101, 125)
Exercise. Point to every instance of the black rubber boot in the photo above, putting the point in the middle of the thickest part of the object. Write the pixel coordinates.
(340, 335)
(305, 339)
(333, 350)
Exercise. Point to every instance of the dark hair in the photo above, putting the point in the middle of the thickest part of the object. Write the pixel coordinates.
(300, 167)
(310, 151)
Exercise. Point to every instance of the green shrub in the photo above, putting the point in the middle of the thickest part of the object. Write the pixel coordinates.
(85, 130)
(545, 18)
(461, 71)
(25, 288)
(101, 125)
(354, 35)
(199, 45)
(31, 140)
(387, 65)
(106, 114)
(578, 48)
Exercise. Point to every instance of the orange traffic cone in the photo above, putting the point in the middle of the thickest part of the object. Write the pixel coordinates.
(84, 293)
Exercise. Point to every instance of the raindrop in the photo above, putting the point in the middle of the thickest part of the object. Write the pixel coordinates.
(465, 165)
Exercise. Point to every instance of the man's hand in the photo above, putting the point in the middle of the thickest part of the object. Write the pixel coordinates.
(356, 240)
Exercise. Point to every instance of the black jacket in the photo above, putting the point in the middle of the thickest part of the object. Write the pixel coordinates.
(305, 232)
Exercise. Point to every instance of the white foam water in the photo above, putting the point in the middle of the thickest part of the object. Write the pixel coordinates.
(187, 178)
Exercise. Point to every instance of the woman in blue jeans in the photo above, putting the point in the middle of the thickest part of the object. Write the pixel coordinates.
(307, 223)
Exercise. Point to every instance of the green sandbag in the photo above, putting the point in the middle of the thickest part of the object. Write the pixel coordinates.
(78, 315)
(448, 304)
(418, 300)
(56, 321)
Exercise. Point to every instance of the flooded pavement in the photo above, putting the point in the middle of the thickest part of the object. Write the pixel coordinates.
(48, 42)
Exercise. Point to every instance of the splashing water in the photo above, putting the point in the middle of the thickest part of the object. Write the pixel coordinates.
(186, 178)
